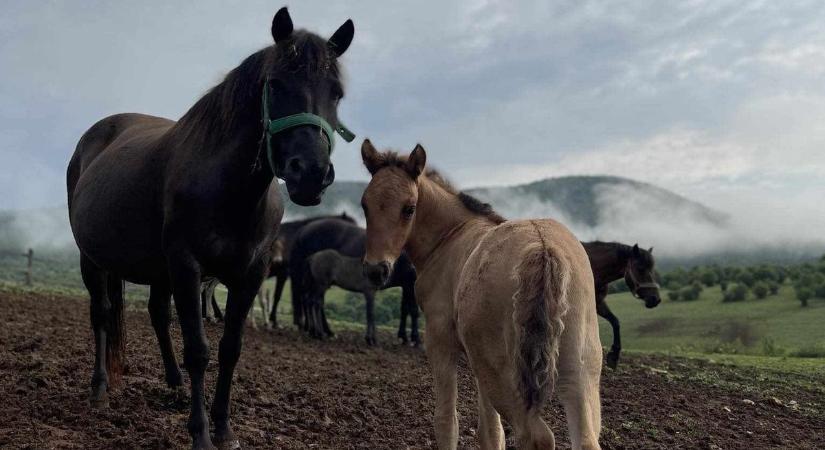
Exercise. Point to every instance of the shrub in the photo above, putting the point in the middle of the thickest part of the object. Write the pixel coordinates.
(803, 294)
(774, 288)
(819, 291)
(673, 296)
(735, 293)
(760, 289)
(709, 278)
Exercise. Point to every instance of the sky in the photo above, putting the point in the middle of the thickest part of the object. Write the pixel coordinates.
(720, 101)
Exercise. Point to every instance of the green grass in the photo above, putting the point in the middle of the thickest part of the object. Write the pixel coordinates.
(774, 326)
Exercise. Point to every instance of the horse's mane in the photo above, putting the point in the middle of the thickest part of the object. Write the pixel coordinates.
(622, 250)
(238, 97)
(472, 204)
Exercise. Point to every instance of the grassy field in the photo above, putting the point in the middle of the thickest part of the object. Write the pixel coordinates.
(774, 326)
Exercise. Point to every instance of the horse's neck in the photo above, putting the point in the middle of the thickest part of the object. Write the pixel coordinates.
(609, 265)
(439, 215)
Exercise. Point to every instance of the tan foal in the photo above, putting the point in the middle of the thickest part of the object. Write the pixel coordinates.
(516, 297)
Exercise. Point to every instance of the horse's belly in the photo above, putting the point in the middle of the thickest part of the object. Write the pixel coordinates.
(116, 221)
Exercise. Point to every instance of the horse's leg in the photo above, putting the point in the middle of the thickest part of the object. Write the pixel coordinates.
(369, 297)
(441, 346)
(412, 309)
(402, 321)
(95, 281)
(207, 293)
(280, 281)
(490, 432)
(159, 299)
(238, 303)
(263, 299)
(579, 368)
(327, 330)
(298, 301)
(215, 307)
(616, 348)
(186, 283)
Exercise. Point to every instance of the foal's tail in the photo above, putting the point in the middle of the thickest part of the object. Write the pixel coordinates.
(115, 331)
(539, 306)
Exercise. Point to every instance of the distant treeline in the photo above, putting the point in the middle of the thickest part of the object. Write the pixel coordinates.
(739, 283)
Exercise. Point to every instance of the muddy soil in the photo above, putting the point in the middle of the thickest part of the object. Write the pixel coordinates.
(293, 392)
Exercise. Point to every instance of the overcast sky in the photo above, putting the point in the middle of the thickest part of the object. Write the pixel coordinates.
(721, 101)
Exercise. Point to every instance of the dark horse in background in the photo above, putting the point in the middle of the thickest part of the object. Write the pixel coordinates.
(278, 269)
(611, 261)
(349, 240)
(166, 203)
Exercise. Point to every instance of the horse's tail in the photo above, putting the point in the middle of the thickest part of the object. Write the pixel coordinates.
(539, 306)
(115, 331)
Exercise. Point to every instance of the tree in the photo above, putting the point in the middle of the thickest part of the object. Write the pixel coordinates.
(709, 277)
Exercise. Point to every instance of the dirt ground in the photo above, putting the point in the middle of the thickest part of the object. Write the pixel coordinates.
(292, 392)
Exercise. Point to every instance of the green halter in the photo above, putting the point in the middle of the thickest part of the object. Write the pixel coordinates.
(273, 127)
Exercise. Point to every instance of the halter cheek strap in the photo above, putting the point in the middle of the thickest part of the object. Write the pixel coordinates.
(273, 127)
(638, 285)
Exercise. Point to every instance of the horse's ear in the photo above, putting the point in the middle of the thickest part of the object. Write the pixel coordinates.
(281, 25)
(373, 160)
(650, 250)
(340, 40)
(416, 161)
(636, 251)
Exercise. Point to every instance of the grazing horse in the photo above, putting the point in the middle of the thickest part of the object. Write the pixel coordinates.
(168, 204)
(611, 261)
(349, 240)
(329, 268)
(515, 297)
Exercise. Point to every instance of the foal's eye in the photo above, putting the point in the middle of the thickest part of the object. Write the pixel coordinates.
(407, 211)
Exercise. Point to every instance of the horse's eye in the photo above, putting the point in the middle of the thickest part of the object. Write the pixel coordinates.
(407, 211)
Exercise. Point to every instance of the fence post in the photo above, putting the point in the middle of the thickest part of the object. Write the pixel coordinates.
(29, 256)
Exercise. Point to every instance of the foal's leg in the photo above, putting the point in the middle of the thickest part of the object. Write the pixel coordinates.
(237, 308)
(442, 354)
(95, 281)
(186, 284)
(159, 299)
(579, 367)
(490, 432)
(616, 348)
(369, 297)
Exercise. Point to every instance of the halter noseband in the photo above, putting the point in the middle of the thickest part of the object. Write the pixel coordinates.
(273, 127)
(635, 289)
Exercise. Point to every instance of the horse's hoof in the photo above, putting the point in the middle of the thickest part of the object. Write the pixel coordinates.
(231, 444)
(225, 439)
(174, 379)
(99, 399)
(612, 360)
(203, 444)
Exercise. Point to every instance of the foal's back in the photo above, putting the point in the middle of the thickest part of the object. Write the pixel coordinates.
(328, 267)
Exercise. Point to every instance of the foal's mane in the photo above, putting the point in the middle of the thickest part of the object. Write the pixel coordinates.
(237, 98)
(472, 204)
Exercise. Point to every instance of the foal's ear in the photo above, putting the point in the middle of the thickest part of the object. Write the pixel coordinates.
(281, 25)
(416, 161)
(340, 40)
(373, 160)
(636, 251)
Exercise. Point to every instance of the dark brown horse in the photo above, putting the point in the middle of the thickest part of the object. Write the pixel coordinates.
(610, 261)
(166, 203)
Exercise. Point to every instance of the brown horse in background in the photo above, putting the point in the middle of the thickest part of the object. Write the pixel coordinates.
(515, 297)
(611, 261)
(169, 204)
